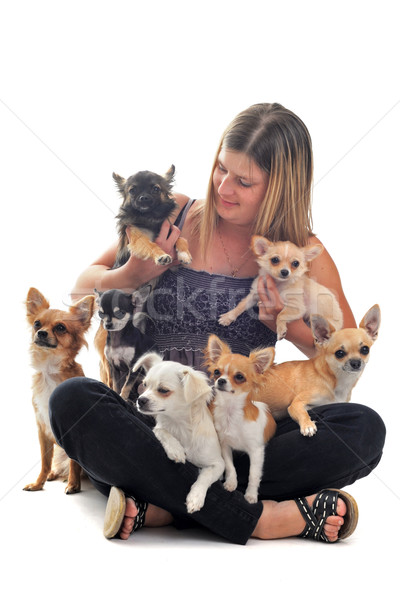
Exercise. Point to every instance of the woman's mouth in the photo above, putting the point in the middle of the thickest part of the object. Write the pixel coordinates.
(227, 203)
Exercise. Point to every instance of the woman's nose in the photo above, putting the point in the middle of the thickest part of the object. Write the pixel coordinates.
(225, 187)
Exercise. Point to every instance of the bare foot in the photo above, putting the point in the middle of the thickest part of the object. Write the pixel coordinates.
(155, 517)
(283, 519)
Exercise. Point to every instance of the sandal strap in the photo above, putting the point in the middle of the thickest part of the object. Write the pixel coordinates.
(140, 517)
(324, 506)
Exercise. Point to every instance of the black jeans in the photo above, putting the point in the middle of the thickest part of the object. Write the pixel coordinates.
(115, 445)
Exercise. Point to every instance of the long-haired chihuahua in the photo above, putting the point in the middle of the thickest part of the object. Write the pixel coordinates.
(57, 337)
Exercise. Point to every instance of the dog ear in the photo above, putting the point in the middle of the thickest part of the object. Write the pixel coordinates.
(215, 348)
(169, 175)
(97, 297)
(371, 321)
(259, 245)
(140, 295)
(262, 359)
(195, 386)
(35, 301)
(147, 361)
(311, 252)
(120, 181)
(83, 310)
(321, 329)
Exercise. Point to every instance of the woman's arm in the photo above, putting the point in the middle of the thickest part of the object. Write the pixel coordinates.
(135, 272)
(325, 272)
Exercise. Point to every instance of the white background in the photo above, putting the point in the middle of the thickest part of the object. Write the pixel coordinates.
(91, 87)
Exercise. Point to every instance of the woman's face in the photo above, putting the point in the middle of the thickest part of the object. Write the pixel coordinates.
(240, 187)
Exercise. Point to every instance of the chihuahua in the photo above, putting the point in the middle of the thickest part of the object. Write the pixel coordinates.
(126, 337)
(286, 263)
(178, 397)
(57, 337)
(241, 422)
(330, 376)
(147, 202)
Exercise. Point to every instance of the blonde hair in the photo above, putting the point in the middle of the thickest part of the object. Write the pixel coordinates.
(279, 143)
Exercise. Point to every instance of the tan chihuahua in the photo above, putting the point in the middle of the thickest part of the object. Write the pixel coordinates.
(57, 337)
(287, 264)
(241, 423)
(330, 376)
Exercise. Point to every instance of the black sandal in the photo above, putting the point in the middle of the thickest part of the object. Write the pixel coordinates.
(115, 513)
(324, 506)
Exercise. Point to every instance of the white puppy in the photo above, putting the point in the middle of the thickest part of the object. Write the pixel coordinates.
(178, 396)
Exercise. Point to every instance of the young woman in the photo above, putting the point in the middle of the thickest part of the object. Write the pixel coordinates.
(260, 184)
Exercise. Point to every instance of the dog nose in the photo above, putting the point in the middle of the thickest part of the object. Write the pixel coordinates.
(221, 382)
(141, 402)
(355, 364)
(42, 334)
(145, 200)
(284, 272)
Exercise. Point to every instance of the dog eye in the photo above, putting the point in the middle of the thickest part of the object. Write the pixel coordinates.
(240, 378)
(364, 350)
(37, 324)
(295, 264)
(60, 328)
(340, 354)
(275, 260)
(119, 314)
(162, 391)
(217, 373)
(132, 190)
(156, 189)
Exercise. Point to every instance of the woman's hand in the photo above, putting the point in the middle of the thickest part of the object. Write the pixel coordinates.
(270, 303)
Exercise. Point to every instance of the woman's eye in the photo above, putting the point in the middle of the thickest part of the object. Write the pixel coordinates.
(221, 168)
(245, 184)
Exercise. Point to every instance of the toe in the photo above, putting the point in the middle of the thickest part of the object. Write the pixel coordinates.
(127, 524)
(341, 508)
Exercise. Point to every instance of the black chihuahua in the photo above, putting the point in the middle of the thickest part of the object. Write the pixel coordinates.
(147, 202)
(126, 337)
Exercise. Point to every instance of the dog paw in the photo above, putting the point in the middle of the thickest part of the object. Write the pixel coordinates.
(251, 497)
(230, 484)
(176, 453)
(33, 487)
(73, 488)
(184, 258)
(281, 333)
(194, 502)
(309, 430)
(226, 319)
(163, 260)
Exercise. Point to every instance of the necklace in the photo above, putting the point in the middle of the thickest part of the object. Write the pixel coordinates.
(234, 270)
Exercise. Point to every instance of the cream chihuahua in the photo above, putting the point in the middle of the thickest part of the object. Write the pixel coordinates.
(330, 376)
(301, 296)
(178, 397)
(241, 422)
